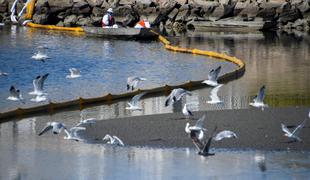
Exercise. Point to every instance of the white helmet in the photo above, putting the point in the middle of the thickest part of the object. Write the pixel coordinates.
(110, 10)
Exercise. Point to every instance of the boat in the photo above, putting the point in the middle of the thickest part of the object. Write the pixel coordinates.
(121, 33)
(232, 25)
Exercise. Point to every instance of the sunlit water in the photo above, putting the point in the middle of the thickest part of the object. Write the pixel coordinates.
(24, 155)
(280, 62)
(104, 65)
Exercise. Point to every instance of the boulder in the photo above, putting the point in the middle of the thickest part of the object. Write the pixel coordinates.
(98, 12)
(40, 18)
(96, 21)
(4, 6)
(60, 24)
(80, 4)
(85, 21)
(59, 5)
(70, 20)
(95, 3)
(83, 10)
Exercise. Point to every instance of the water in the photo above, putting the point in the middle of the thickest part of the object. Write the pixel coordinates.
(280, 62)
(104, 65)
(24, 155)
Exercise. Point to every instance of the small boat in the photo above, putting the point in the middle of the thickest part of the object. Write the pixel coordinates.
(232, 25)
(121, 33)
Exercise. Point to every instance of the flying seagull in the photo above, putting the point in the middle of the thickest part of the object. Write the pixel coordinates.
(3, 73)
(88, 121)
(56, 128)
(258, 101)
(114, 140)
(38, 84)
(295, 133)
(197, 132)
(133, 103)
(15, 95)
(132, 82)
(74, 73)
(72, 134)
(212, 77)
(214, 97)
(204, 151)
(176, 95)
(224, 134)
(39, 56)
(186, 111)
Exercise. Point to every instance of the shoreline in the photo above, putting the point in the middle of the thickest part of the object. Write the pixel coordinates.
(256, 129)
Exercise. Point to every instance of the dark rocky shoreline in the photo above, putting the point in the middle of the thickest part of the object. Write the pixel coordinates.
(256, 129)
(169, 14)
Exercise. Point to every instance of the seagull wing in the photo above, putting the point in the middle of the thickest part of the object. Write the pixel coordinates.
(179, 93)
(136, 98)
(168, 100)
(214, 91)
(284, 129)
(74, 130)
(46, 128)
(120, 142)
(41, 81)
(200, 121)
(35, 83)
(107, 137)
(298, 129)
(261, 94)
(217, 72)
(225, 134)
(213, 74)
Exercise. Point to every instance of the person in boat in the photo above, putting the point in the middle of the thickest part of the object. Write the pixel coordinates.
(108, 20)
(143, 24)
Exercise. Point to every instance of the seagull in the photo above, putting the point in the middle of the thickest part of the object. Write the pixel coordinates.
(258, 100)
(214, 97)
(56, 127)
(113, 140)
(72, 133)
(133, 103)
(212, 77)
(132, 82)
(39, 98)
(186, 111)
(74, 73)
(261, 161)
(295, 133)
(176, 95)
(196, 132)
(38, 84)
(204, 151)
(42, 47)
(224, 134)
(83, 121)
(3, 73)
(16, 95)
(39, 56)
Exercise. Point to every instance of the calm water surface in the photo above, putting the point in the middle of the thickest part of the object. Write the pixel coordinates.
(281, 62)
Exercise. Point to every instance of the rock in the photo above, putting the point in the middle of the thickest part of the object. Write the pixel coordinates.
(83, 10)
(98, 12)
(60, 24)
(40, 18)
(70, 20)
(43, 10)
(57, 6)
(41, 3)
(298, 22)
(80, 4)
(250, 10)
(132, 18)
(84, 21)
(95, 3)
(4, 6)
(179, 27)
(96, 21)
(290, 16)
(61, 15)
(267, 13)
(304, 7)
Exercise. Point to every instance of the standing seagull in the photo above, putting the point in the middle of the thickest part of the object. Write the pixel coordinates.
(214, 97)
(132, 82)
(133, 103)
(176, 95)
(224, 134)
(56, 127)
(212, 77)
(39, 98)
(15, 95)
(113, 140)
(74, 73)
(38, 84)
(186, 111)
(72, 133)
(295, 133)
(258, 101)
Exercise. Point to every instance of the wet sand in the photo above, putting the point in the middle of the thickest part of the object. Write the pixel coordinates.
(256, 129)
